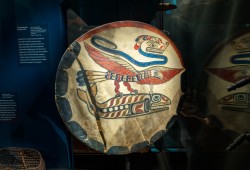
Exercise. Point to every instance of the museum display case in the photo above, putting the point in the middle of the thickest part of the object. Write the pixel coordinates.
(136, 84)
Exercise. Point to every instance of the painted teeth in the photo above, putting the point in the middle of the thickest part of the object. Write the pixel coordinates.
(159, 107)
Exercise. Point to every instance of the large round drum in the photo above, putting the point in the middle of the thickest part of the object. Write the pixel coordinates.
(228, 65)
(118, 85)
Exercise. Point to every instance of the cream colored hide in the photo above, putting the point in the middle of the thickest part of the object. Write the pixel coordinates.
(118, 85)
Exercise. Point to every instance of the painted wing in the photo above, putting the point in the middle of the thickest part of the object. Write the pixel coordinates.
(111, 63)
(231, 74)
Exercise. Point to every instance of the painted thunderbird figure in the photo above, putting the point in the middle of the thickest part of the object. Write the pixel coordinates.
(121, 70)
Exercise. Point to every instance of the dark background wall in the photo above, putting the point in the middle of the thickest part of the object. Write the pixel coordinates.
(104, 11)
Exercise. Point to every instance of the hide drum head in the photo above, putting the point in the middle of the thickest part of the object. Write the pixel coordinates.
(118, 85)
(230, 64)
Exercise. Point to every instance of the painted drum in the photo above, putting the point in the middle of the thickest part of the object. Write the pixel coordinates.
(229, 64)
(118, 85)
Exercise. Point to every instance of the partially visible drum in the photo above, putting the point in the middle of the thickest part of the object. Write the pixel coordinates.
(229, 64)
(118, 86)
